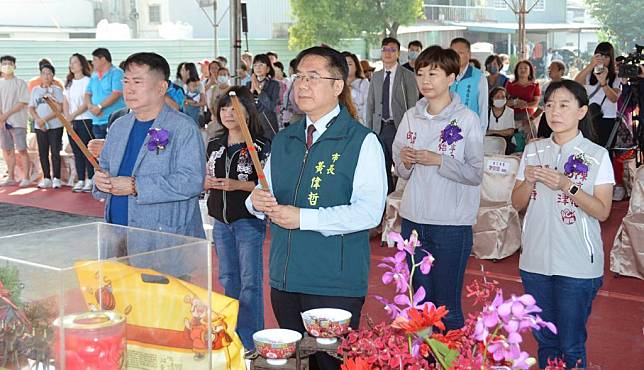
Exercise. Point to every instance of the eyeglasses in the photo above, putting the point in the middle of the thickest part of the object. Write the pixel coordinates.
(313, 78)
(389, 50)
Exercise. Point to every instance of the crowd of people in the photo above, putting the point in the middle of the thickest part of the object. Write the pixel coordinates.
(333, 136)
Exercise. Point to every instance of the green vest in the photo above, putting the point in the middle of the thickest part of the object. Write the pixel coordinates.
(306, 261)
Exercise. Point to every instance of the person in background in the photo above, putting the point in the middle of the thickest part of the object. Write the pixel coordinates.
(501, 119)
(556, 71)
(49, 130)
(444, 171)
(203, 70)
(471, 84)
(284, 86)
(523, 97)
(14, 97)
(243, 75)
(75, 110)
(195, 99)
(505, 64)
(211, 80)
(566, 183)
(413, 51)
(367, 69)
(187, 71)
(266, 91)
(604, 89)
(272, 56)
(290, 112)
(238, 235)
(359, 85)
(475, 63)
(104, 93)
(493, 67)
(37, 80)
(247, 59)
(222, 60)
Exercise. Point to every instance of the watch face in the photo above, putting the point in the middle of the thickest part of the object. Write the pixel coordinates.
(574, 189)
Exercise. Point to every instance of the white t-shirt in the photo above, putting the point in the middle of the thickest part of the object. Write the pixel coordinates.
(504, 122)
(75, 95)
(605, 174)
(608, 107)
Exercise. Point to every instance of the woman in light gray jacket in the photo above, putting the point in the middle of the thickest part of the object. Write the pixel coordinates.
(439, 149)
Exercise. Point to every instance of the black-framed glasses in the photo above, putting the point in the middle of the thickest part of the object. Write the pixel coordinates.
(311, 78)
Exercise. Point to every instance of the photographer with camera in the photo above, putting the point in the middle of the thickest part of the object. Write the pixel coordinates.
(603, 88)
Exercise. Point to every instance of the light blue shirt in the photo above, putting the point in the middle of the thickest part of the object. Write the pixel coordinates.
(100, 87)
(367, 199)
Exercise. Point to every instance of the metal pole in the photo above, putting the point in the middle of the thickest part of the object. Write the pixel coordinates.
(235, 36)
(214, 28)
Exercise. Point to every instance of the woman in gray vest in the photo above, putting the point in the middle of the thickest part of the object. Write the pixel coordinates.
(566, 182)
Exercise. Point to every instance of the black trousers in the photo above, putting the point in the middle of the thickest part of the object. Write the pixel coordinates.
(50, 140)
(83, 128)
(603, 127)
(387, 135)
(288, 307)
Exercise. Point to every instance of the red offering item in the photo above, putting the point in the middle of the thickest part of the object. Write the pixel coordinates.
(93, 341)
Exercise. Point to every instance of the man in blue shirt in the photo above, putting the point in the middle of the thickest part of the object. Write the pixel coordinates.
(146, 183)
(104, 93)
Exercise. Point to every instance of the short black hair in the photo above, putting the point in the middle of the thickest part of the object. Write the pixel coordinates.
(154, 61)
(437, 57)
(580, 94)
(460, 40)
(44, 61)
(9, 58)
(102, 53)
(263, 58)
(273, 54)
(222, 58)
(389, 40)
(279, 65)
(49, 67)
(415, 43)
(192, 79)
(336, 62)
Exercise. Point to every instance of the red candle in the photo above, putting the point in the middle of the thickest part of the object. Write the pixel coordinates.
(93, 341)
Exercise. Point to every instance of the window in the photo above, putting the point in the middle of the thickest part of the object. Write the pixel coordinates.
(502, 5)
(154, 12)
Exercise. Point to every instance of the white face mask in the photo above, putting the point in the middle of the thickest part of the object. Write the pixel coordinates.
(499, 103)
(222, 79)
(7, 69)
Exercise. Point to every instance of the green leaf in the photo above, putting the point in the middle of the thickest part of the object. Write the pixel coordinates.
(621, 21)
(443, 354)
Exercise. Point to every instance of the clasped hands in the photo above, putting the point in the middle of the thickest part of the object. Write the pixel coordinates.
(410, 156)
(287, 217)
(119, 185)
(549, 177)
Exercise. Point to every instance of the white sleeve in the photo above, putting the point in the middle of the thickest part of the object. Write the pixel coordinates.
(605, 175)
(521, 170)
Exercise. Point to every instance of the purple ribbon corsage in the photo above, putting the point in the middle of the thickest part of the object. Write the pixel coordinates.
(158, 139)
(576, 164)
(451, 133)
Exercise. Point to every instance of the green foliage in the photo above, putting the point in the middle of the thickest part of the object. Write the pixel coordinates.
(329, 21)
(621, 21)
(9, 276)
(443, 354)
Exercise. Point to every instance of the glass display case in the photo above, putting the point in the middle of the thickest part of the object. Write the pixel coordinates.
(102, 296)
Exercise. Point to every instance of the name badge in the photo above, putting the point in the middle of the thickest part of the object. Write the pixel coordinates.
(498, 167)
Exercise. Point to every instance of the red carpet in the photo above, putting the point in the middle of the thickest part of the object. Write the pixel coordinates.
(615, 328)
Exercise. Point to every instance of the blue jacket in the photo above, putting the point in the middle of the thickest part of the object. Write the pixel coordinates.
(168, 183)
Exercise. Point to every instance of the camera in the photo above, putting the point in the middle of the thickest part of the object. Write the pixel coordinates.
(630, 67)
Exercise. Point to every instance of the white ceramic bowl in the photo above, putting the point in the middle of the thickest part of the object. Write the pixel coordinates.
(326, 324)
(276, 345)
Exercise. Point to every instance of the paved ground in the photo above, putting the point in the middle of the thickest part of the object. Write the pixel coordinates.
(18, 220)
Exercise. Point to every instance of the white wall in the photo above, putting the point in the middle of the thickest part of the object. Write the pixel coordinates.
(47, 13)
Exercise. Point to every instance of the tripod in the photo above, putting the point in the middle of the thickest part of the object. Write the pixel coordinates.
(631, 95)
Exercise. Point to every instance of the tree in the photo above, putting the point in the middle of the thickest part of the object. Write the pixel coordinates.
(621, 20)
(329, 21)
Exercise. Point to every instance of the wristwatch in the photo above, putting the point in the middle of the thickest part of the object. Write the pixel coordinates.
(99, 106)
(573, 189)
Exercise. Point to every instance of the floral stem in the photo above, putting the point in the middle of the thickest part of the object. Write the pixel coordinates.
(411, 294)
(498, 327)
(438, 357)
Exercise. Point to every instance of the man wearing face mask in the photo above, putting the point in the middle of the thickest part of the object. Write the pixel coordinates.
(413, 51)
(14, 97)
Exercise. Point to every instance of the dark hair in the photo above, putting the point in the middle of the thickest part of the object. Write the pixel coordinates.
(192, 69)
(102, 53)
(8, 58)
(605, 48)
(437, 57)
(293, 64)
(415, 43)
(222, 59)
(279, 65)
(476, 63)
(272, 53)
(192, 79)
(460, 40)
(263, 58)
(359, 72)
(178, 74)
(87, 71)
(49, 67)
(243, 67)
(492, 58)
(390, 40)
(224, 69)
(516, 70)
(578, 91)
(154, 61)
(248, 101)
(213, 63)
(44, 61)
(559, 64)
(336, 64)
(493, 92)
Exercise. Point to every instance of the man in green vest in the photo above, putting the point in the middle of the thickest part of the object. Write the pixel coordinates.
(328, 187)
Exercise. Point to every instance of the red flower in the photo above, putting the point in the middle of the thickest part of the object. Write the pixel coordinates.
(453, 338)
(355, 364)
(421, 320)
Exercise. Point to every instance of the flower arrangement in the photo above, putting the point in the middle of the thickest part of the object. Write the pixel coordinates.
(416, 338)
(451, 133)
(159, 138)
(576, 165)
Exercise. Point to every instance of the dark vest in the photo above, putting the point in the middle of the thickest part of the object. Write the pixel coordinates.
(306, 261)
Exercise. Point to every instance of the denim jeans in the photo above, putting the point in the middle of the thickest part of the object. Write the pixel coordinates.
(566, 302)
(239, 247)
(99, 131)
(450, 246)
(83, 127)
